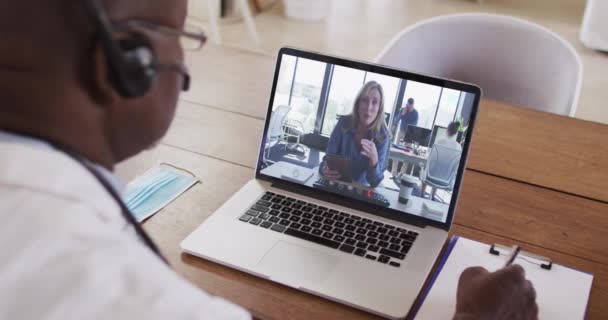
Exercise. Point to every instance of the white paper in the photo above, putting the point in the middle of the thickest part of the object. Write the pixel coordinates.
(562, 293)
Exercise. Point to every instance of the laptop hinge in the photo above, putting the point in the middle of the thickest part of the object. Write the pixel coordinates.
(346, 202)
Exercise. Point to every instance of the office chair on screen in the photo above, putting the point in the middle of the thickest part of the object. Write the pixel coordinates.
(440, 169)
(512, 60)
(281, 130)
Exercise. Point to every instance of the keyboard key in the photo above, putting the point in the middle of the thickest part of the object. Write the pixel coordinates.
(245, 218)
(266, 224)
(327, 215)
(344, 214)
(339, 238)
(312, 238)
(371, 240)
(264, 216)
(301, 202)
(360, 252)
(338, 218)
(413, 233)
(395, 241)
(306, 228)
(316, 225)
(305, 222)
(276, 201)
(401, 230)
(295, 218)
(394, 247)
(326, 228)
(255, 221)
(388, 226)
(350, 227)
(274, 219)
(378, 223)
(253, 213)
(288, 210)
(371, 227)
(328, 235)
(278, 228)
(349, 234)
(296, 206)
(361, 231)
(322, 208)
(334, 211)
(351, 242)
(284, 222)
(317, 232)
(297, 213)
(383, 244)
(360, 237)
(382, 230)
(369, 256)
(284, 215)
(290, 199)
(366, 220)
(317, 218)
(394, 264)
(393, 254)
(312, 205)
(307, 215)
(360, 224)
(405, 249)
(384, 237)
(338, 231)
(383, 259)
(280, 196)
(266, 197)
(349, 221)
(355, 217)
(373, 248)
(296, 225)
(361, 245)
(307, 209)
(373, 234)
(317, 211)
(328, 221)
(347, 248)
(264, 203)
(277, 206)
(393, 233)
(339, 225)
(260, 208)
(286, 203)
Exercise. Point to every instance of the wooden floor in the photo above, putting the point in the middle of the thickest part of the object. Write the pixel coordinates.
(534, 186)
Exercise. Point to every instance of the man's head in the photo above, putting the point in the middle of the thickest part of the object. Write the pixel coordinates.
(57, 80)
(453, 128)
(410, 105)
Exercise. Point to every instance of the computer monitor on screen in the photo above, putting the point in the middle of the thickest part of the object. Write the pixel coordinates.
(419, 135)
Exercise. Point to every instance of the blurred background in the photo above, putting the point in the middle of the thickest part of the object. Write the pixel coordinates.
(360, 29)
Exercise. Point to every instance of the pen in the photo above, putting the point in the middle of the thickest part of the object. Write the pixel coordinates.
(512, 255)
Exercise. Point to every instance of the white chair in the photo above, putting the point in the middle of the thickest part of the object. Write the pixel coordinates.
(243, 5)
(512, 60)
(440, 169)
(280, 130)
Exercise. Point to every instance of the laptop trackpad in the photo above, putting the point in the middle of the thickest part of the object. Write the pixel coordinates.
(295, 265)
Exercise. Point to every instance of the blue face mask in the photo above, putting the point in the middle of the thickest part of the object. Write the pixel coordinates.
(155, 189)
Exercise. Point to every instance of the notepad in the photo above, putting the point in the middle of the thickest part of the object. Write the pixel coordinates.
(562, 293)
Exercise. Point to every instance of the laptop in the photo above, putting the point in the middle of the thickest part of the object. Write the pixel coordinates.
(369, 243)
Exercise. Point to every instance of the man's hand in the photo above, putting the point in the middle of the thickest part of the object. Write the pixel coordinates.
(504, 294)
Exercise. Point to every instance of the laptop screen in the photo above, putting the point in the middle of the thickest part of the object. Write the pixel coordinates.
(339, 129)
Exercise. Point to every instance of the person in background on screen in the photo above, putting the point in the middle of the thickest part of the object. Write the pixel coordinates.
(451, 135)
(362, 137)
(408, 116)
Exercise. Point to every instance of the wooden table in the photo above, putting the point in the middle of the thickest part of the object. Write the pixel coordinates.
(535, 179)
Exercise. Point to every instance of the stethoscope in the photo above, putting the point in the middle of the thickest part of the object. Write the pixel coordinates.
(126, 213)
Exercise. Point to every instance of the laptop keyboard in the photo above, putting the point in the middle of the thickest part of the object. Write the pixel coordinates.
(348, 233)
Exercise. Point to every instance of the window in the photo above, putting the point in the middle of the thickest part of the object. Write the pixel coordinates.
(281, 95)
(426, 97)
(306, 93)
(447, 107)
(345, 84)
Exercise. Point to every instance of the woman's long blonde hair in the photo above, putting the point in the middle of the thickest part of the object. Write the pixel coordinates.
(378, 125)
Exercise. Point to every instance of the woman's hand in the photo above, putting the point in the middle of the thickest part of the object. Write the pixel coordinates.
(368, 149)
(328, 173)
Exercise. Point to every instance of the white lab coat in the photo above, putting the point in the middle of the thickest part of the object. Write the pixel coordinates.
(66, 252)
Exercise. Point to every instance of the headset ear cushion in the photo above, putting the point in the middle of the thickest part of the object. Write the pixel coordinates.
(139, 61)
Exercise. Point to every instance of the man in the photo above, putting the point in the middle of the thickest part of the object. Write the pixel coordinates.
(67, 249)
(451, 135)
(408, 116)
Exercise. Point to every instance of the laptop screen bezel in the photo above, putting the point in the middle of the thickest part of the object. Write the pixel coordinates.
(388, 213)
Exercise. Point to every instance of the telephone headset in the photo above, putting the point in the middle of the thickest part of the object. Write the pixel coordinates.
(131, 60)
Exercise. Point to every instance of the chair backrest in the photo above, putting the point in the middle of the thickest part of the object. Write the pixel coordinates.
(512, 60)
(442, 164)
(277, 118)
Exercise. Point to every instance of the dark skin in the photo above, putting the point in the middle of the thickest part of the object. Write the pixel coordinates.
(54, 82)
(54, 85)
